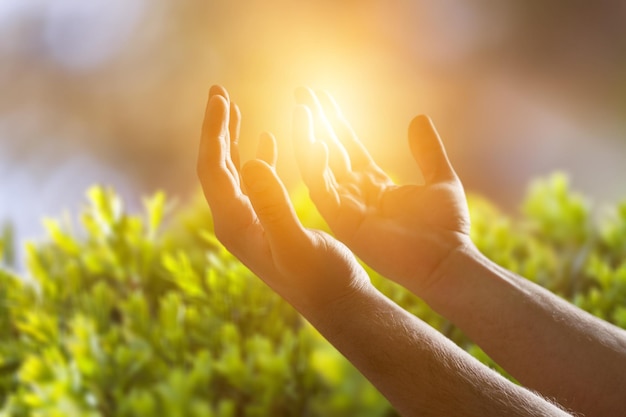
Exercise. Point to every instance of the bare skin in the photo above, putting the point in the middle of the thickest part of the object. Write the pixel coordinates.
(403, 231)
(415, 367)
(418, 236)
(261, 228)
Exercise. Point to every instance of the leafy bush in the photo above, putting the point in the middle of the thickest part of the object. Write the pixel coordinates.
(128, 317)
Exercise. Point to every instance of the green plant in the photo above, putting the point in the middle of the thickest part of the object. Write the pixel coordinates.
(7, 245)
(120, 319)
(129, 316)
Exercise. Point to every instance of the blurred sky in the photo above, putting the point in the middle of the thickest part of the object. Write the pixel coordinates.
(113, 91)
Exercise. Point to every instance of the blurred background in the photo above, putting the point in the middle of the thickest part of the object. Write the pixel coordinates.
(113, 91)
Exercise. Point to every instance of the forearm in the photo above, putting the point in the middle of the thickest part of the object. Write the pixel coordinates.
(415, 367)
(548, 344)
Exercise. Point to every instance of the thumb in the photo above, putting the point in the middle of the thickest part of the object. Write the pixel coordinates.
(271, 203)
(428, 151)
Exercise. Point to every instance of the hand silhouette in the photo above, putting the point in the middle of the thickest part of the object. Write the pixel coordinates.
(403, 231)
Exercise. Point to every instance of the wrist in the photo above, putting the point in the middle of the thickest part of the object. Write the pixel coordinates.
(324, 313)
(469, 284)
(455, 269)
(456, 255)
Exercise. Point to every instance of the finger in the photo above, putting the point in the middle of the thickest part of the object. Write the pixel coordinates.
(217, 180)
(312, 157)
(271, 203)
(359, 157)
(234, 126)
(303, 139)
(339, 159)
(428, 151)
(266, 149)
(218, 90)
(232, 163)
(323, 187)
(220, 180)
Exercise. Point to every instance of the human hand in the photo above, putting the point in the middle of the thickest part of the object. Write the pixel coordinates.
(405, 232)
(307, 267)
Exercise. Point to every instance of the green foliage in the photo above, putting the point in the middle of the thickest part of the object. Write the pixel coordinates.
(129, 317)
(120, 319)
(7, 245)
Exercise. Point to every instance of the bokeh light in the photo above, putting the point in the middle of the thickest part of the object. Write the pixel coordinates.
(114, 91)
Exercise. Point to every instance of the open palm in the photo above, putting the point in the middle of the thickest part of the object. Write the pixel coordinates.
(309, 268)
(403, 231)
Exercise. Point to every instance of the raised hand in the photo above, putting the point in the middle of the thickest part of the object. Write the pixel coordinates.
(403, 231)
(407, 233)
(308, 268)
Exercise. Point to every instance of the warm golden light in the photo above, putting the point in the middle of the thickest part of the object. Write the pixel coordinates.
(118, 106)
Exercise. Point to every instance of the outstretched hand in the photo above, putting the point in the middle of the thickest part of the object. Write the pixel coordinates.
(403, 231)
(307, 267)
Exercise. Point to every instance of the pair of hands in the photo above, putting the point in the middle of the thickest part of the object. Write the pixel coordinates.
(404, 232)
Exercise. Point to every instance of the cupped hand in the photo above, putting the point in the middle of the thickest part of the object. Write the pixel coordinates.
(405, 232)
(307, 267)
